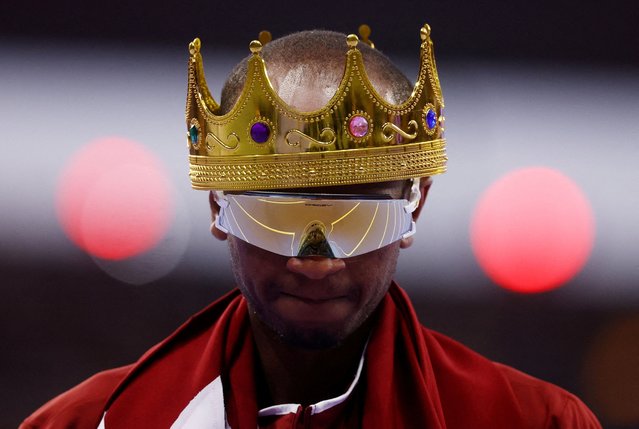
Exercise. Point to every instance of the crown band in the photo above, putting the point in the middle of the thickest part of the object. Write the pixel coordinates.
(319, 168)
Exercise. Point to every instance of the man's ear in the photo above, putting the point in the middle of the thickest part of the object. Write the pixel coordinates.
(424, 186)
(215, 209)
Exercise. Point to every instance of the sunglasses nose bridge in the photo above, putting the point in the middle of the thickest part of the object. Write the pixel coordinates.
(314, 242)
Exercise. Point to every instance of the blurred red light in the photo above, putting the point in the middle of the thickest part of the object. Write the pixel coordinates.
(114, 199)
(532, 230)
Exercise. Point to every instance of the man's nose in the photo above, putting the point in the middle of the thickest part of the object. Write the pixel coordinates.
(315, 267)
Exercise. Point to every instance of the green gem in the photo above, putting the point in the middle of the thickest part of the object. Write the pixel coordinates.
(194, 134)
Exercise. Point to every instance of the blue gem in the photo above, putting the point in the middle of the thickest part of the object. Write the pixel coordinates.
(431, 119)
(194, 134)
(260, 132)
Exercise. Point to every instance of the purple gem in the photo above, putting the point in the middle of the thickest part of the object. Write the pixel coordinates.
(431, 119)
(358, 126)
(260, 132)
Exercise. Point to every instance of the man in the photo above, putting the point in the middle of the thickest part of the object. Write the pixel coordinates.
(317, 174)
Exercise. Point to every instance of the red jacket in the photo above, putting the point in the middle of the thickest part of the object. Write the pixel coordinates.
(202, 376)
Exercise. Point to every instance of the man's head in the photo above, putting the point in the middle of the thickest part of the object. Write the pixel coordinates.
(317, 302)
(306, 68)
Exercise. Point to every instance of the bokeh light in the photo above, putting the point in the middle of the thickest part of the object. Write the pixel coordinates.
(532, 230)
(611, 372)
(114, 199)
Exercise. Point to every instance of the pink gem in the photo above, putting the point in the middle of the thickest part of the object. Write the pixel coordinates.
(358, 126)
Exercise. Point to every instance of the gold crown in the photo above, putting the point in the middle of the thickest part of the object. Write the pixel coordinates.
(358, 137)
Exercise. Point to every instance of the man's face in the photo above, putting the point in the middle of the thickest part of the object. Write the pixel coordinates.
(315, 302)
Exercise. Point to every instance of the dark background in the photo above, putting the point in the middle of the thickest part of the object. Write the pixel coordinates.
(585, 31)
(63, 317)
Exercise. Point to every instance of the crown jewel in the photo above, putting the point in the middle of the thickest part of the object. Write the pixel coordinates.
(358, 137)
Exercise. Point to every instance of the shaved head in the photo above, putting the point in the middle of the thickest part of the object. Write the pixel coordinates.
(314, 60)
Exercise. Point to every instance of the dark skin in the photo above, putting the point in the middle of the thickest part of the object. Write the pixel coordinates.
(311, 316)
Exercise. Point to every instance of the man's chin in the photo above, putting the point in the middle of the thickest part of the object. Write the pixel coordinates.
(311, 339)
(315, 331)
(309, 335)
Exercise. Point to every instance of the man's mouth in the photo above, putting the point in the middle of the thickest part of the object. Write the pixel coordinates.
(310, 299)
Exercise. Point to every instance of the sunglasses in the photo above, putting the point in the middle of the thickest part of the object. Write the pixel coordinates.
(328, 225)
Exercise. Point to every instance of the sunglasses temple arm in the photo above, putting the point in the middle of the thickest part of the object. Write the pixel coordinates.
(221, 200)
(413, 199)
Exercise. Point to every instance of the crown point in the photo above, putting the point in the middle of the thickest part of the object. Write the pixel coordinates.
(255, 46)
(264, 37)
(425, 32)
(194, 46)
(364, 31)
(351, 40)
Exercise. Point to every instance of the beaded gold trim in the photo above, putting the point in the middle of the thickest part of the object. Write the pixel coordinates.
(318, 168)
